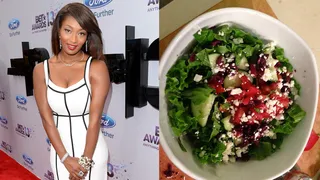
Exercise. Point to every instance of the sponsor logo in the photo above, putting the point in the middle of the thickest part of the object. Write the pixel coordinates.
(49, 175)
(23, 130)
(93, 4)
(28, 162)
(6, 146)
(152, 141)
(49, 144)
(2, 96)
(3, 122)
(21, 100)
(153, 5)
(107, 123)
(13, 25)
(97, 6)
(118, 171)
(43, 22)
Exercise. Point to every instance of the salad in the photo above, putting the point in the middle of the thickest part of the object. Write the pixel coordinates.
(233, 96)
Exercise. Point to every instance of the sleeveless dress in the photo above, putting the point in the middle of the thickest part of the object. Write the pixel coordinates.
(70, 108)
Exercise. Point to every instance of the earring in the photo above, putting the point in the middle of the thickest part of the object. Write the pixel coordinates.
(60, 43)
(87, 46)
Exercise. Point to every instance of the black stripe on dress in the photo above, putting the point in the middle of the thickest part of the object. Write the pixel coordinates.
(85, 72)
(85, 107)
(71, 115)
(67, 91)
(65, 102)
(57, 154)
(90, 173)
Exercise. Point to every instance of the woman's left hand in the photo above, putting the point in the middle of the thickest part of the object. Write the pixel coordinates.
(76, 170)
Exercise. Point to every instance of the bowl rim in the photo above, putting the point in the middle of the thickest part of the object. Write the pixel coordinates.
(194, 23)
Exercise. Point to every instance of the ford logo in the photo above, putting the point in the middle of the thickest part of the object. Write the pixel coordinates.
(93, 4)
(48, 141)
(107, 122)
(21, 100)
(13, 24)
(3, 120)
(27, 159)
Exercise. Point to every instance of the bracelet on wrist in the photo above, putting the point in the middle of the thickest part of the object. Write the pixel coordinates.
(85, 162)
(64, 157)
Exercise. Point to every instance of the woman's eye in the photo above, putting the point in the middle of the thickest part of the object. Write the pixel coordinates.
(82, 34)
(67, 30)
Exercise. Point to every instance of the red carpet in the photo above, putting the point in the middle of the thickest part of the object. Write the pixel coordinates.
(11, 170)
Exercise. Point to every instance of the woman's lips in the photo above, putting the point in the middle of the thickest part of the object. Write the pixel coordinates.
(71, 47)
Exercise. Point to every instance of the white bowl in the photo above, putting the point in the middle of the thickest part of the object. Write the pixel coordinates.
(301, 58)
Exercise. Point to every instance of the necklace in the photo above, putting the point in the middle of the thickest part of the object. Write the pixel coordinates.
(66, 64)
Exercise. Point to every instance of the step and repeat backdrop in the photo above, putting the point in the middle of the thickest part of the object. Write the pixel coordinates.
(133, 142)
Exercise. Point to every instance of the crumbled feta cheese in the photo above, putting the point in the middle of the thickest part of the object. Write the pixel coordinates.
(247, 65)
(199, 32)
(239, 150)
(197, 132)
(227, 152)
(274, 146)
(218, 69)
(267, 74)
(270, 46)
(232, 159)
(236, 91)
(197, 78)
(284, 69)
(229, 134)
(268, 133)
(257, 134)
(232, 112)
(244, 118)
(236, 102)
(221, 33)
(280, 117)
(238, 40)
(229, 60)
(292, 84)
(260, 97)
(202, 153)
(271, 62)
(291, 75)
(218, 115)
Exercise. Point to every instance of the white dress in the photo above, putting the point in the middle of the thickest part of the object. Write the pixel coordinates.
(70, 108)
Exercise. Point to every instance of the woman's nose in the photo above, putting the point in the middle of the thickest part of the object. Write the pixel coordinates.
(73, 38)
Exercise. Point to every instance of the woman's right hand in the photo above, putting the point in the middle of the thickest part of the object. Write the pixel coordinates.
(73, 167)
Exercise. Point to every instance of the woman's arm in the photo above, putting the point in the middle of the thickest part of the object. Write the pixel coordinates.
(40, 94)
(100, 82)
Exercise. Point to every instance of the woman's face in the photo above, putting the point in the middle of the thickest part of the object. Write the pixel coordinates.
(72, 36)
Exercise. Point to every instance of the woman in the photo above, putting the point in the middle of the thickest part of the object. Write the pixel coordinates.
(70, 90)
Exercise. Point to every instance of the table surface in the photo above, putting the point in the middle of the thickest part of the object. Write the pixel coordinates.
(309, 162)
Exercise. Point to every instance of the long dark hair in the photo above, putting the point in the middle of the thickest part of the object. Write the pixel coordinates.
(87, 21)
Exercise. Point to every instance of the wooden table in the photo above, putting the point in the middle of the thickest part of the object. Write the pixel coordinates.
(309, 162)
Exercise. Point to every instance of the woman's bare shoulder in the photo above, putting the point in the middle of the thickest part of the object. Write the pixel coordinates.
(39, 68)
